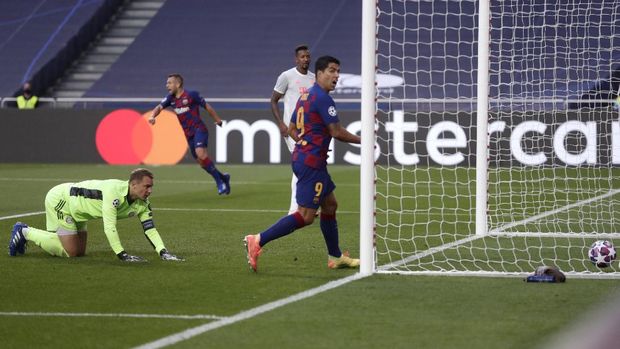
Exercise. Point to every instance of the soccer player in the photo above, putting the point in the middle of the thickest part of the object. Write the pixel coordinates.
(312, 126)
(186, 104)
(69, 206)
(291, 84)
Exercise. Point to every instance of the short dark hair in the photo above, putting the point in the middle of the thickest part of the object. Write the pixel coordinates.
(139, 173)
(178, 77)
(301, 48)
(322, 63)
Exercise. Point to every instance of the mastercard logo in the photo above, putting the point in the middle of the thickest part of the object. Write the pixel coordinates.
(125, 137)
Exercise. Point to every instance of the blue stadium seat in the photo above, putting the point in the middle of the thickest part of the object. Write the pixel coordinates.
(232, 48)
(33, 32)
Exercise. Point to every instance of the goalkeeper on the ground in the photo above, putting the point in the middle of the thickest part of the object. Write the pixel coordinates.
(69, 206)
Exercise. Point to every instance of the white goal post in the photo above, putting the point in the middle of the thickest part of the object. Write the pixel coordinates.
(499, 149)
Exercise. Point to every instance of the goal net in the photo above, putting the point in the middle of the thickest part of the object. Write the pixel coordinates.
(552, 136)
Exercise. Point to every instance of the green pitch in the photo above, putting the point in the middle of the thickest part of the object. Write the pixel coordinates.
(215, 282)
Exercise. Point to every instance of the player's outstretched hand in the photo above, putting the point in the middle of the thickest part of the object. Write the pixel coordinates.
(167, 256)
(129, 258)
(152, 120)
(219, 122)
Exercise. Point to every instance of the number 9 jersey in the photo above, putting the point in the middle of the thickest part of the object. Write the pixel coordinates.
(313, 112)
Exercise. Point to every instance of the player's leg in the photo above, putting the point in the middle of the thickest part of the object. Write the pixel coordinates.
(281, 228)
(48, 241)
(308, 193)
(290, 144)
(329, 227)
(73, 242)
(287, 224)
(83, 236)
(55, 217)
(293, 206)
(198, 146)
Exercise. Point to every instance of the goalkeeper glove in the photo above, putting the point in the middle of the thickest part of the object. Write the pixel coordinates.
(167, 256)
(129, 258)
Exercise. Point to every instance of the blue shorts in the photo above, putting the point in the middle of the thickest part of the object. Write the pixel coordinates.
(313, 185)
(199, 139)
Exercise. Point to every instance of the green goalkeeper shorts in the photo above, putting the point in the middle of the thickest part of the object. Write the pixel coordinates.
(58, 217)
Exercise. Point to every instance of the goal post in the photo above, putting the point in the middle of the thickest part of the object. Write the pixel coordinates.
(367, 168)
(482, 119)
(497, 150)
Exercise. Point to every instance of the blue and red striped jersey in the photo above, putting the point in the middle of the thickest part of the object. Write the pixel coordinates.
(315, 110)
(187, 108)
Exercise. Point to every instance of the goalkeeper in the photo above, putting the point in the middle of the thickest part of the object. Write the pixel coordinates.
(69, 206)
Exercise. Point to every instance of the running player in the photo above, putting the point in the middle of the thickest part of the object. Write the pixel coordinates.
(186, 104)
(291, 84)
(313, 125)
(69, 206)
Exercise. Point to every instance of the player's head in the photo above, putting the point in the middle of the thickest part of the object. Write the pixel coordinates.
(327, 70)
(140, 183)
(27, 88)
(302, 57)
(174, 83)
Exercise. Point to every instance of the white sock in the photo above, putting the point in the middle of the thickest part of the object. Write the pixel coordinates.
(293, 207)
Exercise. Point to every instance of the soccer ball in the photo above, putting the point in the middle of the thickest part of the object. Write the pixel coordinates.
(602, 253)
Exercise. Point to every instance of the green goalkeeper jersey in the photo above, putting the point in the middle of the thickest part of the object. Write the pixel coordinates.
(109, 199)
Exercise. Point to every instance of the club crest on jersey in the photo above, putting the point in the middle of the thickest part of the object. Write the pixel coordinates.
(115, 203)
(131, 214)
(332, 111)
(69, 220)
(185, 101)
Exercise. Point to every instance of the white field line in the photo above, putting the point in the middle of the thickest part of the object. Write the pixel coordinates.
(22, 215)
(428, 252)
(114, 315)
(247, 314)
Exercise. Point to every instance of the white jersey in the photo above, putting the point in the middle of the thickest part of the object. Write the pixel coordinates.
(292, 84)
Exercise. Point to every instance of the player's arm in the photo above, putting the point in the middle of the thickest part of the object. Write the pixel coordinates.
(161, 106)
(152, 235)
(327, 109)
(278, 92)
(340, 133)
(275, 110)
(292, 131)
(216, 118)
(109, 215)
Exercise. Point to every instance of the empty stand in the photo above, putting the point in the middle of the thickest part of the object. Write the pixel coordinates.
(232, 48)
(33, 32)
(122, 30)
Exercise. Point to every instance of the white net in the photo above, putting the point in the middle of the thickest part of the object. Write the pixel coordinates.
(554, 137)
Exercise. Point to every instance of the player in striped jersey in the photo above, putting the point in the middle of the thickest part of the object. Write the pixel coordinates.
(186, 105)
(313, 124)
(291, 84)
(69, 206)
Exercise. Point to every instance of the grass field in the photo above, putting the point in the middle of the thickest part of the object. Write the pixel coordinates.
(215, 284)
